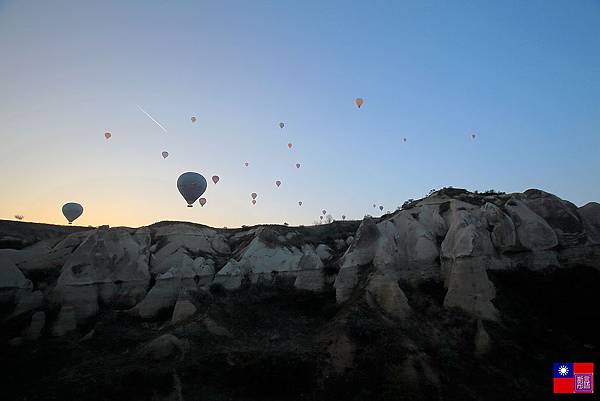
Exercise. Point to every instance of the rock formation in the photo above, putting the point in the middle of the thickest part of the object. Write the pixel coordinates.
(446, 258)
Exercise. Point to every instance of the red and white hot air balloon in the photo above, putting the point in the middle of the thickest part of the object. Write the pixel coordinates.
(253, 195)
(299, 203)
(290, 145)
(202, 201)
(107, 135)
(215, 178)
(297, 165)
(165, 154)
(278, 183)
(358, 101)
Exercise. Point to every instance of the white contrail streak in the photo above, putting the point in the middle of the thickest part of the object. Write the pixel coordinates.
(150, 117)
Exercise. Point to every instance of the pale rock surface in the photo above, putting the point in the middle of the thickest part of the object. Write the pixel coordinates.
(324, 252)
(358, 255)
(503, 233)
(590, 215)
(184, 309)
(34, 331)
(10, 275)
(110, 267)
(533, 232)
(50, 254)
(13, 283)
(215, 328)
(27, 302)
(66, 321)
(561, 215)
(166, 349)
(264, 256)
(386, 293)
(470, 289)
(482, 340)
(180, 239)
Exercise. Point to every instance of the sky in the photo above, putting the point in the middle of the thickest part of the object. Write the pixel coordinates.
(524, 76)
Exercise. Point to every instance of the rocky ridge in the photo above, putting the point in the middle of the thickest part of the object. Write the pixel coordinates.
(57, 283)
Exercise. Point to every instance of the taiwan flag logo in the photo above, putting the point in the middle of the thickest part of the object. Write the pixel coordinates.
(573, 377)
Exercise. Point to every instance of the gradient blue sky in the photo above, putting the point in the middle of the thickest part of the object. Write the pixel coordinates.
(523, 75)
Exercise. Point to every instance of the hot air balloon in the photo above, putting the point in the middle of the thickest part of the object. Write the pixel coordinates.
(281, 125)
(202, 201)
(321, 217)
(324, 212)
(191, 186)
(300, 203)
(254, 201)
(107, 135)
(253, 195)
(381, 208)
(72, 211)
(374, 205)
(358, 101)
(473, 136)
(278, 183)
(297, 165)
(215, 178)
(290, 145)
(246, 164)
(343, 217)
(193, 119)
(165, 155)
(403, 139)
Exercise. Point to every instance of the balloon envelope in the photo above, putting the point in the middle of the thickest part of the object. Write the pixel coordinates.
(253, 195)
(215, 178)
(246, 164)
(343, 217)
(321, 217)
(324, 212)
(278, 183)
(107, 135)
(165, 155)
(281, 125)
(191, 186)
(290, 145)
(254, 201)
(193, 119)
(72, 211)
(300, 203)
(202, 201)
(358, 101)
(297, 165)
(380, 207)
